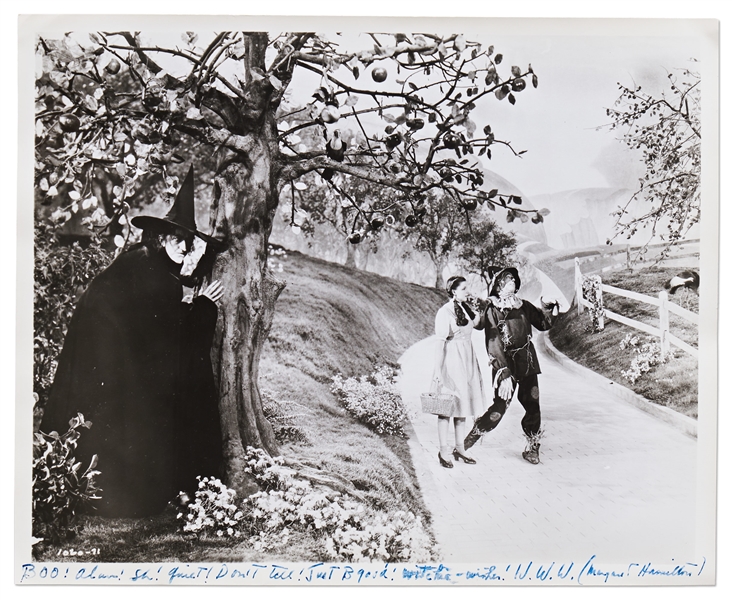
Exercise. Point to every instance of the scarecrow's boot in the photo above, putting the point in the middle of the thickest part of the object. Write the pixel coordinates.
(531, 454)
(471, 439)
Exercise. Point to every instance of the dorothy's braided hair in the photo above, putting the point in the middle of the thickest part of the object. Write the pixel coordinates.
(460, 308)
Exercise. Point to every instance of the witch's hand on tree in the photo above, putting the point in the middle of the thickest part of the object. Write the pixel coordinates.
(214, 291)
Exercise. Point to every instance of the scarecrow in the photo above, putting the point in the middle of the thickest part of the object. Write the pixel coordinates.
(507, 321)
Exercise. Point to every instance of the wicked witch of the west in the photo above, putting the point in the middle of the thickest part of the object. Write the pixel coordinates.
(136, 363)
(507, 321)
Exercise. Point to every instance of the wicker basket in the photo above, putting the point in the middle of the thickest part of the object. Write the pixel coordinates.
(443, 405)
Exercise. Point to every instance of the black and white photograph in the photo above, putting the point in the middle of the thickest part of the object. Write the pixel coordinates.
(376, 301)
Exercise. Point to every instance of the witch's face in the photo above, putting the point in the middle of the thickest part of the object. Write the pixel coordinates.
(175, 247)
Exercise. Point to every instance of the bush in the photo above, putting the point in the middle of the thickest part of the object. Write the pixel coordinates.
(212, 512)
(591, 291)
(61, 272)
(59, 492)
(345, 529)
(374, 400)
(647, 355)
(392, 537)
(284, 422)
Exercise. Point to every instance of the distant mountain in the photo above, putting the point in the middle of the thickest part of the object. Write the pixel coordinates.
(583, 217)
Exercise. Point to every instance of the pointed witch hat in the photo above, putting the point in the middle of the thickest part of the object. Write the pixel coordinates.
(181, 216)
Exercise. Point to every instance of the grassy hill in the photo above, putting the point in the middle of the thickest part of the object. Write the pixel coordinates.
(329, 320)
(673, 383)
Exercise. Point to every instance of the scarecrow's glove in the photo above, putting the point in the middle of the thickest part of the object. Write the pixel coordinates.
(551, 306)
(505, 389)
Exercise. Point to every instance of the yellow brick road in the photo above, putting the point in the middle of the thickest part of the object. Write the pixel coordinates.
(613, 481)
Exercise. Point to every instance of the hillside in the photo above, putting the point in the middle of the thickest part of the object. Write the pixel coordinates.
(329, 320)
(674, 383)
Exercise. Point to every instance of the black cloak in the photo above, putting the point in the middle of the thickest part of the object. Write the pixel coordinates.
(136, 363)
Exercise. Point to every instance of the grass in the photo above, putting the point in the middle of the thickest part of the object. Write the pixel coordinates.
(329, 320)
(673, 384)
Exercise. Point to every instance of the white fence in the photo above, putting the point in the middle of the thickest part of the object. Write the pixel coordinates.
(662, 302)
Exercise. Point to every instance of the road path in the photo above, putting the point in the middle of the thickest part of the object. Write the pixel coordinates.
(613, 481)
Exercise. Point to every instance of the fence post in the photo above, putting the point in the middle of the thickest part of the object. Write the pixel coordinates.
(599, 302)
(663, 322)
(627, 258)
(578, 285)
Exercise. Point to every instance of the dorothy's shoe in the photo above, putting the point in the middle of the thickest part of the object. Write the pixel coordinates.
(445, 463)
(532, 454)
(472, 438)
(458, 456)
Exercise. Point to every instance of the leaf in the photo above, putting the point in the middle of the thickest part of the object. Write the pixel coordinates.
(515, 71)
(502, 92)
(535, 80)
(276, 83)
(517, 199)
(355, 71)
(544, 212)
(194, 114)
(460, 43)
(512, 99)
(432, 117)
(470, 127)
(299, 185)
(74, 195)
(119, 241)
(492, 193)
(498, 58)
(413, 86)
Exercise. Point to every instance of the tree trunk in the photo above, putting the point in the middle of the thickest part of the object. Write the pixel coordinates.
(350, 255)
(245, 199)
(439, 268)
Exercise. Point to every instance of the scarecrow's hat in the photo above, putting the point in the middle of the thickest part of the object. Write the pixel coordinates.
(180, 217)
(496, 273)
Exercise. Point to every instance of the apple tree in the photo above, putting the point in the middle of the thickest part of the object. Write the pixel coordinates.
(666, 128)
(119, 103)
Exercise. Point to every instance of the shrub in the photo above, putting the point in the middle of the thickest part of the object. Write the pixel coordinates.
(213, 511)
(392, 537)
(60, 274)
(373, 400)
(593, 294)
(647, 355)
(283, 421)
(59, 491)
(345, 529)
